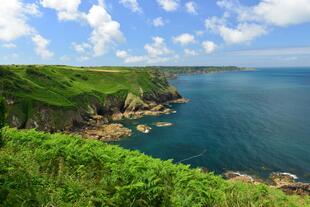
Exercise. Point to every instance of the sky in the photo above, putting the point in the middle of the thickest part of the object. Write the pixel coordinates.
(251, 33)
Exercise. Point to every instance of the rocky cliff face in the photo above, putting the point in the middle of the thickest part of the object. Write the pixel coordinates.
(29, 113)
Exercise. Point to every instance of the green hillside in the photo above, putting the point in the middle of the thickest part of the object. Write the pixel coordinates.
(38, 169)
(55, 97)
(62, 85)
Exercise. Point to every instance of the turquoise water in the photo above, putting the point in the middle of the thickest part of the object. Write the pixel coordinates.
(255, 122)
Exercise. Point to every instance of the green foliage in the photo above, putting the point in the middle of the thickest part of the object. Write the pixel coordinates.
(62, 85)
(39, 169)
(2, 113)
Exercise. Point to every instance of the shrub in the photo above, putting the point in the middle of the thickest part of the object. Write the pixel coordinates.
(39, 169)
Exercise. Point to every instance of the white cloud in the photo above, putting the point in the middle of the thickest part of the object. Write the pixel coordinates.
(286, 51)
(13, 19)
(122, 54)
(169, 5)
(82, 48)
(41, 47)
(133, 5)
(242, 33)
(209, 46)
(272, 12)
(105, 32)
(283, 12)
(191, 7)
(66, 9)
(157, 52)
(157, 48)
(9, 45)
(184, 39)
(14, 16)
(257, 20)
(158, 22)
(189, 52)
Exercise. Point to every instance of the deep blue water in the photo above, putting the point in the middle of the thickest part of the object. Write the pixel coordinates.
(255, 122)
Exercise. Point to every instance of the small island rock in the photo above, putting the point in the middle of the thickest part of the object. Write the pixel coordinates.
(144, 128)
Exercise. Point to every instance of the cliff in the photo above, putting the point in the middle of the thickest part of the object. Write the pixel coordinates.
(53, 98)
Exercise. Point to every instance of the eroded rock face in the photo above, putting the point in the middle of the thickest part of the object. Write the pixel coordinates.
(94, 111)
(144, 128)
(107, 132)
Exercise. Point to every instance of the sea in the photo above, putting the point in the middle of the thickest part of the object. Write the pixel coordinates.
(254, 122)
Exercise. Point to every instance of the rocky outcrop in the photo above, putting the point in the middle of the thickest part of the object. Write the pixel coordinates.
(94, 112)
(284, 181)
(237, 176)
(107, 132)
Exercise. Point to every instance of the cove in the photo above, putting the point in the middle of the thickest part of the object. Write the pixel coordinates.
(257, 122)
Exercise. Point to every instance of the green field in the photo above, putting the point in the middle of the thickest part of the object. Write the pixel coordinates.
(38, 169)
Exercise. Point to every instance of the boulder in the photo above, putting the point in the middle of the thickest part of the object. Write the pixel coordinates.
(144, 128)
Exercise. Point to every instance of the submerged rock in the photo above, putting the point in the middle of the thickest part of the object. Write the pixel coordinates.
(108, 132)
(144, 128)
(163, 124)
(179, 101)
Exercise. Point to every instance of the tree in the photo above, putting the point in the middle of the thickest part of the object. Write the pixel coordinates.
(2, 112)
(2, 117)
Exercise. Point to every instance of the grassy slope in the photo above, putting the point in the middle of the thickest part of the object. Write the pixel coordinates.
(54, 97)
(38, 169)
(61, 85)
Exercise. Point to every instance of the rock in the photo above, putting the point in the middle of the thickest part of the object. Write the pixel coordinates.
(163, 124)
(144, 128)
(117, 116)
(302, 189)
(98, 120)
(158, 107)
(236, 176)
(179, 101)
(280, 179)
(286, 182)
(108, 132)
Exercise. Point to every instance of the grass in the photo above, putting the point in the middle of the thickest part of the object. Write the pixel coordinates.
(61, 85)
(40, 169)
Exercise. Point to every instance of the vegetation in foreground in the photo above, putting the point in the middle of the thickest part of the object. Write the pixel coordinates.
(40, 169)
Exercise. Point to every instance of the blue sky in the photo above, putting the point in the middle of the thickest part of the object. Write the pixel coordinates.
(254, 33)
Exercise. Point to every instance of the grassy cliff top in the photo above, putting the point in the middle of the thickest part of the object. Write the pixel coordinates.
(39, 169)
(63, 85)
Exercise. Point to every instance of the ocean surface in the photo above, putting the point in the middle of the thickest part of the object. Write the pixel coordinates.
(254, 122)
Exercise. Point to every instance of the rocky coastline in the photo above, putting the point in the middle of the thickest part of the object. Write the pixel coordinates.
(107, 128)
(284, 181)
